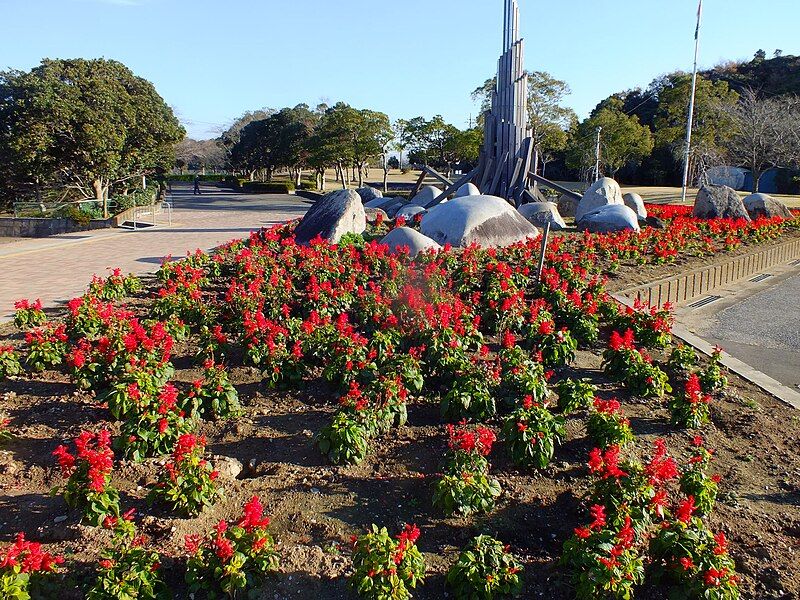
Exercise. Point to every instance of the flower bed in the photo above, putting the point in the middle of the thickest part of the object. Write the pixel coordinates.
(356, 387)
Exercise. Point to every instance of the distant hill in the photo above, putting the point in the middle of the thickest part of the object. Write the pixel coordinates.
(772, 77)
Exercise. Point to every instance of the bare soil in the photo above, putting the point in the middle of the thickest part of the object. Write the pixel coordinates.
(316, 507)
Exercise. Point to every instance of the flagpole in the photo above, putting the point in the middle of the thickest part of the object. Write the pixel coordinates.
(691, 105)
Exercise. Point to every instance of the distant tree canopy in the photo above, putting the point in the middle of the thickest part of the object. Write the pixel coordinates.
(88, 124)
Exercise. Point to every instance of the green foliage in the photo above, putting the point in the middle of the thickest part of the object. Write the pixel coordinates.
(84, 122)
(575, 395)
(624, 140)
(385, 568)
(9, 362)
(127, 569)
(187, 483)
(607, 426)
(485, 570)
(532, 433)
(345, 440)
(681, 360)
(234, 558)
(213, 396)
(261, 187)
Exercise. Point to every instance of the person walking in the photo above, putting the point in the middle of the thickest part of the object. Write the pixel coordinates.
(197, 185)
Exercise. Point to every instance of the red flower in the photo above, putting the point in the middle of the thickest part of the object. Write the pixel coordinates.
(685, 510)
(252, 518)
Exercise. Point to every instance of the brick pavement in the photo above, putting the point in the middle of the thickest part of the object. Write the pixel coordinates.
(59, 268)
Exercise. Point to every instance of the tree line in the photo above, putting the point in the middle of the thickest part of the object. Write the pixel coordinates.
(81, 128)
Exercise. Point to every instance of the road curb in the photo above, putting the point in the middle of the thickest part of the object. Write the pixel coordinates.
(762, 380)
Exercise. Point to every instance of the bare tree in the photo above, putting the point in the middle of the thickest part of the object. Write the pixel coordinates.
(765, 133)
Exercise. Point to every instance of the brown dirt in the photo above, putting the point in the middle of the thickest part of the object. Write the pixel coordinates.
(317, 507)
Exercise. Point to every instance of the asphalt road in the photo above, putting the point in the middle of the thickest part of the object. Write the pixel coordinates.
(762, 330)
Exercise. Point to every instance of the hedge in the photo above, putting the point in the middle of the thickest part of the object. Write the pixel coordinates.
(260, 187)
(190, 178)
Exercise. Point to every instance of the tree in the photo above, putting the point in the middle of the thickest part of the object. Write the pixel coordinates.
(548, 119)
(200, 155)
(371, 133)
(765, 133)
(231, 136)
(90, 124)
(624, 140)
(712, 125)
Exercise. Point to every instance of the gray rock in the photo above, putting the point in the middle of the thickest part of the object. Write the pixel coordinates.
(426, 195)
(393, 206)
(488, 221)
(468, 189)
(602, 192)
(227, 466)
(636, 204)
(378, 202)
(369, 193)
(409, 211)
(540, 213)
(609, 218)
(331, 217)
(764, 205)
(719, 202)
(372, 214)
(405, 237)
(567, 205)
(653, 222)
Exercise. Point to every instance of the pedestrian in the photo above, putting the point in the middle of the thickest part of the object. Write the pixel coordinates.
(197, 185)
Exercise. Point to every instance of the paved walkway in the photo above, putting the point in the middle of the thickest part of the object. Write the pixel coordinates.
(59, 268)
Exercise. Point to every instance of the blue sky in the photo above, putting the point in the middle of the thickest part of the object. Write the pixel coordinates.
(212, 60)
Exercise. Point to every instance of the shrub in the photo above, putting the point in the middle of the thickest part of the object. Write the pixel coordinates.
(9, 362)
(345, 440)
(607, 426)
(696, 483)
(485, 570)
(574, 395)
(470, 395)
(127, 569)
(22, 566)
(385, 568)
(115, 286)
(234, 558)
(29, 314)
(260, 187)
(696, 561)
(634, 368)
(603, 559)
(691, 408)
(46, 346)
(682, 359)
(187, 483)
(214, 396)
(532, 433)
(89, 476)
(711, 378)
(466, 486)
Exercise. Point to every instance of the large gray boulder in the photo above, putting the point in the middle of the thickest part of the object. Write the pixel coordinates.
(378, 202)
(409, 211)
(602, 192)
(373, 214)
(488, 221)
(426, 195)
(609, 218)
(634, 201)
(541, 213)
(405, 237)
(764, 205)
(369, 193)
(331, 217)
(468, 189)
(567, 205)
(719, 202)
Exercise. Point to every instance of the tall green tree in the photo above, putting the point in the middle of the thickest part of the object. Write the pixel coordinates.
(548, 118)
(90, 124)
(624, 140)
(712, 126)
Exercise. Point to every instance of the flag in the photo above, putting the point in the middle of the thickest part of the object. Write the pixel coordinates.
(699, 17)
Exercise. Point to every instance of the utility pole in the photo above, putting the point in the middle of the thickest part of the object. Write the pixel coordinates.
(691, 105)
(597, 155)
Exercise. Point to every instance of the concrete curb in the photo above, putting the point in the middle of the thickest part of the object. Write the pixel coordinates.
(698, 282)
(765, 382)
